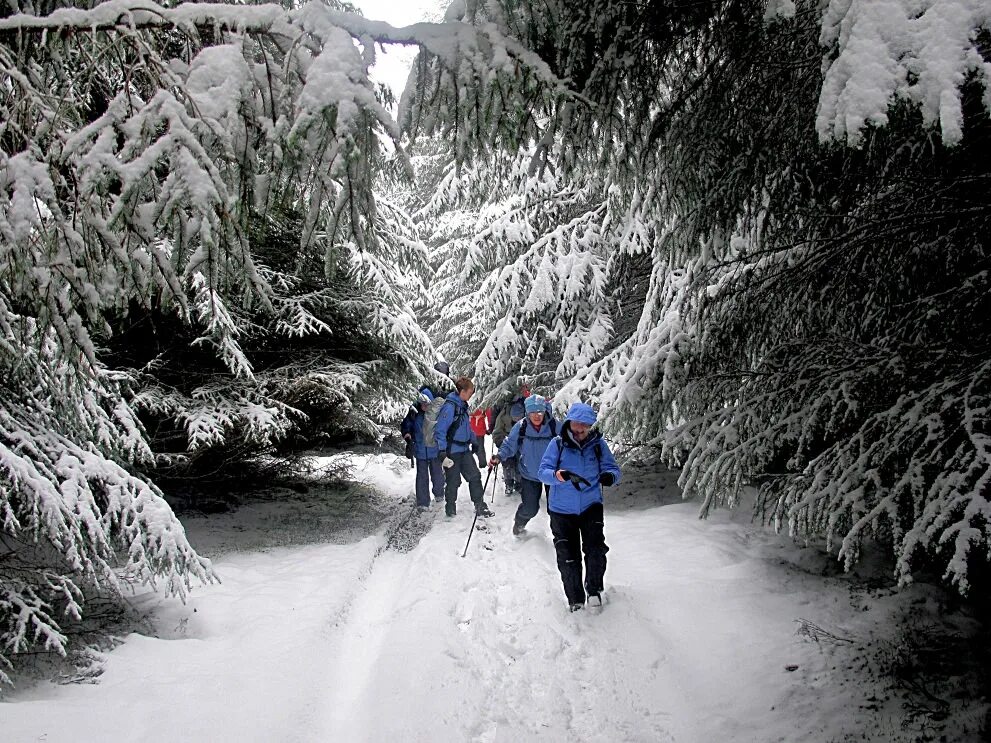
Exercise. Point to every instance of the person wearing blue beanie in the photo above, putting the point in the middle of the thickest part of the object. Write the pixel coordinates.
(506, 416)
(576, 465)
(526, 442)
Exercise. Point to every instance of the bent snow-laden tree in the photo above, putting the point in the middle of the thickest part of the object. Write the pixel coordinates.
(188, 239)
(818, 175)
(498, 233)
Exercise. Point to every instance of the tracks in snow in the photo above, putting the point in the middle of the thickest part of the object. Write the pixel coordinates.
(482, 648)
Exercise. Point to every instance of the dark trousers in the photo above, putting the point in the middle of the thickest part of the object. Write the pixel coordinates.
(482, 459)
(530, 500)
(429, 471)
(511, 475)
(466, 467)
(572, 535)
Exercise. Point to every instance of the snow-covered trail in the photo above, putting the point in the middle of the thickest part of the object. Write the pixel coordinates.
(358, 643)
(482, 649)
(440, 648)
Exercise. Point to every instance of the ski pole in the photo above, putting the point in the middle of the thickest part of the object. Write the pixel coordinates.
(472, 530)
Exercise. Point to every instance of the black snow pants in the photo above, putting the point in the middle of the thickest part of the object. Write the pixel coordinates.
(574, 534)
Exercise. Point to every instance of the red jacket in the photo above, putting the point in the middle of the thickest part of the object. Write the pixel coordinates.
(480, 420)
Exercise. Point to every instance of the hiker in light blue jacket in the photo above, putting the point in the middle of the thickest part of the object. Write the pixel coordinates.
(526, 441)
(576, 465)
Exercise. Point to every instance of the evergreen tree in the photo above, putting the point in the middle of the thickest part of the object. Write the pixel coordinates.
(497, 234)
(815, 181)
(192, 262)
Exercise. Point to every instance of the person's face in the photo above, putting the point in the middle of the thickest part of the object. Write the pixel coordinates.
(536, 419)
(579, 430)
(465, 394)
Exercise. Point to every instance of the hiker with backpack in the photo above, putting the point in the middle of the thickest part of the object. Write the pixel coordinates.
(576, 464)
(458, 447)
(428, 466)
(527, 441)
(508, 415)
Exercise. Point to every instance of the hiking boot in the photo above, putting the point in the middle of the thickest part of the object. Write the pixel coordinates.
(450, 510)
(518, 528)
(483, 510)
(575, 607)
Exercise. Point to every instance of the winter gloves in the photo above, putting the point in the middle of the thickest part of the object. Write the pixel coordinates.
(576, 480)
(606, 478)
(494, 460)
(445, 461)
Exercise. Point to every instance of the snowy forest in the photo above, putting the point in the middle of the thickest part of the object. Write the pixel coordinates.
(753, 233)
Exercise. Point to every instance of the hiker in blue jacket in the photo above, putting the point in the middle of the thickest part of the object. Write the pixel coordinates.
(527, 441)
(575, 465)
(428, 467)
(506, 416)
(458, 448)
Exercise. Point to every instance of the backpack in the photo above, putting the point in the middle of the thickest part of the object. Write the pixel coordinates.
(430, 424)
(430, 420)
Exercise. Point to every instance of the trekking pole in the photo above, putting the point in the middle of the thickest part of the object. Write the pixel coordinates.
(472, 530)
(495, 484)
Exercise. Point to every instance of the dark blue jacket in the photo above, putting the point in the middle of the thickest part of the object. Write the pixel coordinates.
(534, 444)
(452, 426)
(590, 459)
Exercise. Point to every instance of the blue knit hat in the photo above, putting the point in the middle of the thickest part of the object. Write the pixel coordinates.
(579, 412)
(535, 404)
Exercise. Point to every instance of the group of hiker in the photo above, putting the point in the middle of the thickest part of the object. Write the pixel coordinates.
(568, 461)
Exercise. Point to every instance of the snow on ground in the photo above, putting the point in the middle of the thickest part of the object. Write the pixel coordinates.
(712, 631)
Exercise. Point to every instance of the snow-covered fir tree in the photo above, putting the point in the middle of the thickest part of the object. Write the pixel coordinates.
(193, 267)
(816, 181)
(521, 276)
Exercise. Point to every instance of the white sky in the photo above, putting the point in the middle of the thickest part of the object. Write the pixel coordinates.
(393, 63)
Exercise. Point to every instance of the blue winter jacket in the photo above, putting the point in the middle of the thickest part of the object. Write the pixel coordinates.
(564, 453)
(517, 407)
(413, 425)
(534, 444)
(454, 413)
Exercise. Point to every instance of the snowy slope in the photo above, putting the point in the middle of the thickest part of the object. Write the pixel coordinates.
(355, 642)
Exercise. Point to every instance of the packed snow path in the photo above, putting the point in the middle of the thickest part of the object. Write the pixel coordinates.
(356, 642)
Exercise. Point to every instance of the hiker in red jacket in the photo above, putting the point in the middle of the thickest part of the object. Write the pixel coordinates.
(481, 424)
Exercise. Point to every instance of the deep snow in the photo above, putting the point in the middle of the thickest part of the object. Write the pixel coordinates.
(712, 631)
